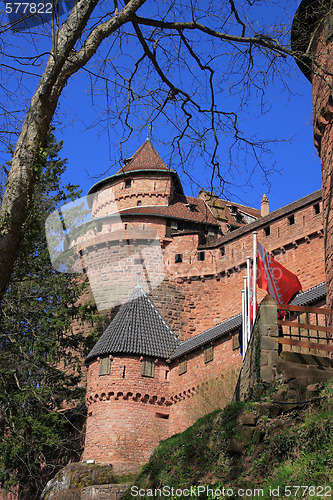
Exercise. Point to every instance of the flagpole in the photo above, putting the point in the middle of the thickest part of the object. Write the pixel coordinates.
(243, 320)
(246, 315)
(248, 263)
(254, 298)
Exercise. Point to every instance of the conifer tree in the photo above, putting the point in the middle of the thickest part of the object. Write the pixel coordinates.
(40, 359)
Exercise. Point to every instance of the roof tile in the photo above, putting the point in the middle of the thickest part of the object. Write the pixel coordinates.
(137, 328)
(145, 158)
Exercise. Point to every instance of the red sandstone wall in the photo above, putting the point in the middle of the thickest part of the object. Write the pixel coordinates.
(213, 294)
(149, 189)
(196, 295)
(124, 422)
(322, 84)
(183, 387)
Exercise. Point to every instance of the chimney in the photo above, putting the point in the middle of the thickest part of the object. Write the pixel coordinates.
(264, 206)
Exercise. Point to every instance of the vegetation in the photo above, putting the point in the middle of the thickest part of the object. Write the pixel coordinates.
(40, 359)
(293, 449)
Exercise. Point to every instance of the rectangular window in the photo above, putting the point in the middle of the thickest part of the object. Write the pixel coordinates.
(222, 250)
(267, 230)
(148, 367)
(178, 258)
(104, 366)
(182, 366)
(209, 353)
(128, 183)
(316, 208)
(235, 341)
(138, 203)
(165, 416)
(201, 256)
(291, 219)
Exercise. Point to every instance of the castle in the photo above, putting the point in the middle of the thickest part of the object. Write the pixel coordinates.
(168, 340)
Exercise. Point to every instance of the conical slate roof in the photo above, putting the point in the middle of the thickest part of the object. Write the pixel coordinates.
(145, 158)
(137, 328)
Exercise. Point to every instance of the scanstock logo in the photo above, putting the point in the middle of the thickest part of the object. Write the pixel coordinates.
(24, 15)
(113, 256)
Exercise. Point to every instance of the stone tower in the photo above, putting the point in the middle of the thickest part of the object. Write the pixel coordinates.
(128, 386)
(312, 44)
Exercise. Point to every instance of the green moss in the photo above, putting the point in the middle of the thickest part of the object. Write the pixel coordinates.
(297, 448)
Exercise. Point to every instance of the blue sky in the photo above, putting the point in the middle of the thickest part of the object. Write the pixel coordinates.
(90, 151)
(92, 145)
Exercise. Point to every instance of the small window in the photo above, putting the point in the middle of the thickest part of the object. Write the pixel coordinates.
(222, 250)
(104, 366)
(209, 353)
(201, 256)
(291, 219)
(267, 230)
(148, 367)
(192, 207)
(128, 183)
(182, 366)
(165, 416)
(235, 341)
(178, 258)
(316, 208)
(138, 203)
(180, 226)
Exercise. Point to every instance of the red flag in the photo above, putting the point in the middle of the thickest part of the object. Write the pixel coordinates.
(280, 283)
(251, 298)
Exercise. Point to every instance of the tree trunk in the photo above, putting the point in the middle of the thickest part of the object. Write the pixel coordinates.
(63, 62)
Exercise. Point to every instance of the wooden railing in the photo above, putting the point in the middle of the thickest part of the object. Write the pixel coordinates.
(298, 326)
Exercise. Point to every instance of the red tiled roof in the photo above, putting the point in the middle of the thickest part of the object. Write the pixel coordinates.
(177, 209)
(145, 158)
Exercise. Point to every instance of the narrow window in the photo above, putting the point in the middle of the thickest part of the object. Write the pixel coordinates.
(182, 366)
(178, 258)
(162, 415)
(138, 203)
(235, 341)
(267, 230)
(128, 183)
(316, 208)
(166, 375)
(201, 256)
(222, 250)
(104, 366)
(124, 371)
(148, 367)
(291, 219)
(208, 353)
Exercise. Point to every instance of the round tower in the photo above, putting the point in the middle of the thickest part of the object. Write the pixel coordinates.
(144, 180)
(312, 44)
(128, 386)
